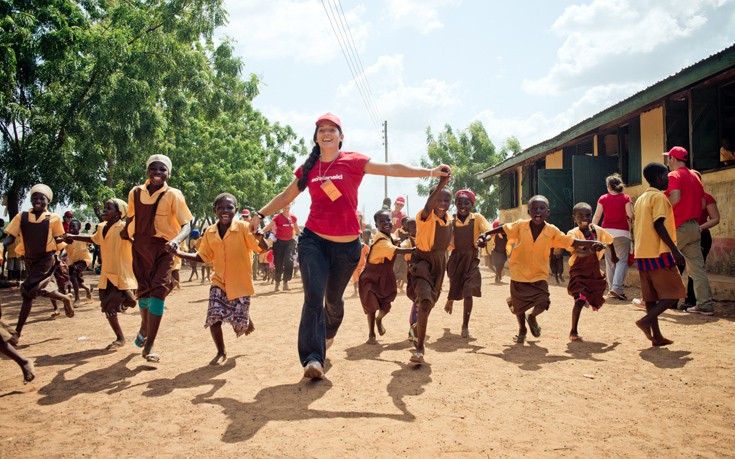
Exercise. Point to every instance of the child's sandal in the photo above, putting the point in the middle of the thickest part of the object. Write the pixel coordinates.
(140, 340)
(520, 339)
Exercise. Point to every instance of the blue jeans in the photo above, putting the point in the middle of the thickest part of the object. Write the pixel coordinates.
(615, 273)
(326, 269)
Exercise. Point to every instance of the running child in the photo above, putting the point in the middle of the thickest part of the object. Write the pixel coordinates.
(228, 245)
(656, 252)
(39, 230)
(365, 241)
(529, 262)
(377, 284)
(429, 259)
(79, 259)
(117, 280)
(463, 266)
(400, 267)
(158, 222)
(499, 253)
(587, 282)
(193, 238)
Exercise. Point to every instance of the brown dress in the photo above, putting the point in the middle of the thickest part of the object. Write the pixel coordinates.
(152, 264)
(463, 266)
(40, 264)
(586, 278)
(378, 280)
(426, 270)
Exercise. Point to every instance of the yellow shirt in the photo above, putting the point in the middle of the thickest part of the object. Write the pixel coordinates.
(171, 215)
(425, 230)
(55, 228)
(231, 258)
(78, 251)
(602, 236)
(117, 256)
(481, 225)
(382, 249)
(649, 207)
(11, 248)
(529, 261)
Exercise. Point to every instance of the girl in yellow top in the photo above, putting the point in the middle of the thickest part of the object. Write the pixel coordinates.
(117, 281)
(40, 231)
(377, 283)
(429, 260)
(529, 262)
(79, 259)
(463, 266)
(228, 245)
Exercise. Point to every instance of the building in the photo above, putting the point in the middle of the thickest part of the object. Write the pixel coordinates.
(694, 108)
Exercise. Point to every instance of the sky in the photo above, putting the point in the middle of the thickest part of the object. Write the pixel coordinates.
(528, 69)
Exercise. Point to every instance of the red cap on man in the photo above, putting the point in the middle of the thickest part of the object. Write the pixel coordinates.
(679, 153)
(400, 200)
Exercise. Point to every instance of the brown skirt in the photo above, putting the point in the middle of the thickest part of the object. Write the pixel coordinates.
(586, 279)
(400, 268)
(77, 270)
(62, 275)
(463, 269)
(378, 281)
(114, 300)
(40, 272)
(152, 266)
(425, 275)
(529, 295)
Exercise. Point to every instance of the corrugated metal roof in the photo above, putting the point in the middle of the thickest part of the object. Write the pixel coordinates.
(686, 77)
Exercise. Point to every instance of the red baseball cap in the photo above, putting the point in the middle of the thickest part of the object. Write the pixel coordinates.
(679, 153)
(331, 117)
(400, 200)
(245, 213)
(68, 214)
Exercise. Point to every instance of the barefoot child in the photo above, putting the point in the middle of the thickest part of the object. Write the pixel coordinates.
(586, 281)
(159, 221)
(228, 246)
(365, 241)
(463, 266)
(656, 252)
(499, 253)
(79, 258)
(529, 262)
(39, 230)
(429, 259)
(117, 281)
(377, 283)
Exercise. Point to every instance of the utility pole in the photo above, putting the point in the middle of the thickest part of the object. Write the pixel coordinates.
(385, 142)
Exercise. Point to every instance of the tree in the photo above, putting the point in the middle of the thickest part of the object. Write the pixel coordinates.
(468, 151)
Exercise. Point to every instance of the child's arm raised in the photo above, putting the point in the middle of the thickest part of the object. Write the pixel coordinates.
(658, 225)
(431, 201)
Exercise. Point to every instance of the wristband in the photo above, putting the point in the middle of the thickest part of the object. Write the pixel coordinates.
(262, 217)
(431, 173)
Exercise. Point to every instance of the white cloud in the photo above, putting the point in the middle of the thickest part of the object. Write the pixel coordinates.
(614, 40)
(286, 29)
(421, 15)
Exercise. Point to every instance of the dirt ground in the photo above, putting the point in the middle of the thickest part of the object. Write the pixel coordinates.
(610, 396)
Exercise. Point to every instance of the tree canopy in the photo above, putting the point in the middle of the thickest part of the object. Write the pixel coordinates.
(88, 90)
(468, 151)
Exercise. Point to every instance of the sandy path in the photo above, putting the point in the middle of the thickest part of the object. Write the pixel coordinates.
(610, 396)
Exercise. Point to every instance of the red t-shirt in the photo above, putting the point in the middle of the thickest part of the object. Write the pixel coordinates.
(396, 216)
(692, 193)
(284, 227)
(338, 217)
(613, 211)
(708, 199)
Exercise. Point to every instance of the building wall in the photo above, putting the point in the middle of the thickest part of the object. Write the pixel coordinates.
(517, 213)
(721, 259)
(555, 160)
(652, 145)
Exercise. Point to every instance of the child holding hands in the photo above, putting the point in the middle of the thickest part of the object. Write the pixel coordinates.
(429, 259)
(79, 259)
(529, 262)
(228, 245)
(377, 284)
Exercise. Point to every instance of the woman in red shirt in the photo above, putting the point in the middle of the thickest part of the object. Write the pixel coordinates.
(286, 230)
(616, 210)
(328, 247)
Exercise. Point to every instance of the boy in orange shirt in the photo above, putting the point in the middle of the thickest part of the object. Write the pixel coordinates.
(656, 252)
(529, 262)
(79, 259)
(228, 245)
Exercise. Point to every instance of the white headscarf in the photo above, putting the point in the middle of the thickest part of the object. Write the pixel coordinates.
(160, 158)
(44, 190)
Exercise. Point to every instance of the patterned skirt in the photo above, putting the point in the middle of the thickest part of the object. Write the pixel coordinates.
(234, 312)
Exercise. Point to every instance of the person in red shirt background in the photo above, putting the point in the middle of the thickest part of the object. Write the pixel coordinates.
(686, 195)
(397, 214)
(286, 229)
(328, 248)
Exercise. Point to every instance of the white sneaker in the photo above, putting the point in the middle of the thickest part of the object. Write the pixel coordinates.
(313, 370)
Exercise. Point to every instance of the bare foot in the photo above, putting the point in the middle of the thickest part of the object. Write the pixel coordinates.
(645, 328)
(465, 332)
(117, 344)
(372, 340)
(449, 307)
(55, 314)
(251, 327)
(29, 373)
(379, 324)
(219, 358)
(574, 337)
(662, 342)
(68, 305)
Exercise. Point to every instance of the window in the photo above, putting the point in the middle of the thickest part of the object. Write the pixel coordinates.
(529, 184)
(508, 190)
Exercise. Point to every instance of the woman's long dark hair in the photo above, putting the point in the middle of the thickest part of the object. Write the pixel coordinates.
(310, 161)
